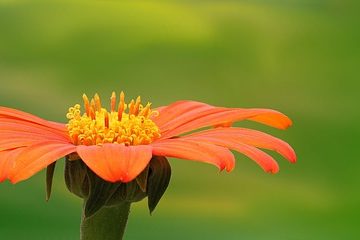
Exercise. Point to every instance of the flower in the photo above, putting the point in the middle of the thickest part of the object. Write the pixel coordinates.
(118, 144)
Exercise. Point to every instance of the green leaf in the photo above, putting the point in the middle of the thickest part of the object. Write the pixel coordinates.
(49, 179)
(158, 180)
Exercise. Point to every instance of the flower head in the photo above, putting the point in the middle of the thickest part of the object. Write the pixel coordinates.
(97, 126)
(117, 145)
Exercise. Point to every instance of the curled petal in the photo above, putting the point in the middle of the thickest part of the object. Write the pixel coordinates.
(249, 137)
(37, 157)
(116, 162)
(264, 160)
(197, 151)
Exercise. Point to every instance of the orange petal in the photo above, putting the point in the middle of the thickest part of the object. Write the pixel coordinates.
(217, 116)
(160, 109)
(197, 151)
(272, 118)
(249, 137)
(19, 126)
(6, 162)
(13, 113)
(195, 115)
(262, 159)
(11, 143)
(36, 157)
(15, 139)
(116, 162)
(189, 117)
(178, 111)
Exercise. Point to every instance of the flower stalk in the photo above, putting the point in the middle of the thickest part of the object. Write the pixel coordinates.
(108, 223)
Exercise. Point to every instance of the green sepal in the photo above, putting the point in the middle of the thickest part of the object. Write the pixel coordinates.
(49, 179)
(126, 192)
(142, 179)
(133, 192)
(76, 178)
(100, 192)
(158, 180)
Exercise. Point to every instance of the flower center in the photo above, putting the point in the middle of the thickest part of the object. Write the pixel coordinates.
(97, 126)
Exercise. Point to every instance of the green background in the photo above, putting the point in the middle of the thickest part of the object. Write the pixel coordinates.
(299, 57)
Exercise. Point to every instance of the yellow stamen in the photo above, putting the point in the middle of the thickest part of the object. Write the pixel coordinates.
(97, 102)
(92, 104)
(92, 109)
(98, 126)
(145, 110)
(137, 105)
(131, 107)
(106, 119)
(113, 101)
(92, 114)
(121, 105)
(86, 104)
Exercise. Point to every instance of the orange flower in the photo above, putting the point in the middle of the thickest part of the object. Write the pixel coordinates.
(118, 145)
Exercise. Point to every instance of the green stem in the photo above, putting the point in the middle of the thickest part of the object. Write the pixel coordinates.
(107, 224)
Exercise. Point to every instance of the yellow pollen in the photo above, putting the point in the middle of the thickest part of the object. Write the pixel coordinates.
(98, 126)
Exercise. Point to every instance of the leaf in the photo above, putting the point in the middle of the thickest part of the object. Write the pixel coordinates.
(49, 179)
(158, 180)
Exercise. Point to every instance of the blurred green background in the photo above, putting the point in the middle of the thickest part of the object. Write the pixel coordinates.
(301, 57)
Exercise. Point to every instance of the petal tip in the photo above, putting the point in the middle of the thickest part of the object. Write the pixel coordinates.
(14, 180)
(288, 124)
(285, 124)
(292, 157)
(294, 160)
(230, 168)
(273, 170)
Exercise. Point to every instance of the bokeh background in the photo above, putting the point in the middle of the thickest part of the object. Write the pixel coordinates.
(301, 57)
